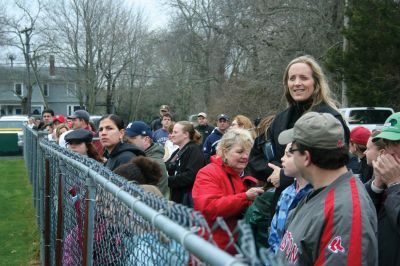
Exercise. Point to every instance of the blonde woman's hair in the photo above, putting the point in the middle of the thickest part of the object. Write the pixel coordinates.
(235, 136)
(245, 122)
(58, 129)
(321, 93)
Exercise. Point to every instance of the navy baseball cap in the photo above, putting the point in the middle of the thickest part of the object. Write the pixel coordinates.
(137, 128)
(223, 116)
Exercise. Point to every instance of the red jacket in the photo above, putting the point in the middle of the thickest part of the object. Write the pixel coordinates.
(219, 191)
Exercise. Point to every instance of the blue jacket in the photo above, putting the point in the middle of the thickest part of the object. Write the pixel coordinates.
(287, 201)
(160, 136)
(210, 145)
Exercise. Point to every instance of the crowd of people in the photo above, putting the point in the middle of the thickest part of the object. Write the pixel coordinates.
(313, 191)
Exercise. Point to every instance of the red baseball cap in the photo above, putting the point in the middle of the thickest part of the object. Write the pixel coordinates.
(59, 118)
(360, 135)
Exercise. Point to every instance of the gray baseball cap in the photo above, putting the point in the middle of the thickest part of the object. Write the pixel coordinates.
(316, 130)
(81, 114)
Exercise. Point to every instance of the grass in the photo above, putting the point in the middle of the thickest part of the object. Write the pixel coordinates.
(18, 229)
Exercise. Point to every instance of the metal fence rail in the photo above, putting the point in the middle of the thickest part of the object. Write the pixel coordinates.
(87, 215)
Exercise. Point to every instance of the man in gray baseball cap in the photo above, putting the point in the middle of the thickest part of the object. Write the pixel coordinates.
(315, 130)
(336, 221)
(80, 119)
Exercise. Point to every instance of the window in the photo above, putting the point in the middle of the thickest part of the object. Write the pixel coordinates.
(46, 90)
(72, 108)
(36, 109)
(71, 89)
(369, 116)
(18, 89)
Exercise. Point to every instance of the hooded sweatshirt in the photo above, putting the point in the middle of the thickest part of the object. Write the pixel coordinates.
(121, 154)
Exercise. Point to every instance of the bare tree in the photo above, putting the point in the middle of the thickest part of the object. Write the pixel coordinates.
(93, 36)
(21, 31)
(120, 34)
(243, 46)
(73, 29)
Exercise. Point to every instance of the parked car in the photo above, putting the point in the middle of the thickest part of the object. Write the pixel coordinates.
(11, 134)
(369, 117)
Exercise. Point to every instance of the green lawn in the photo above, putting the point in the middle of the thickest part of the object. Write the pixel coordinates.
(19, 235)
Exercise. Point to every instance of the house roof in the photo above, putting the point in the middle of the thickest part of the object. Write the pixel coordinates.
(12, 74)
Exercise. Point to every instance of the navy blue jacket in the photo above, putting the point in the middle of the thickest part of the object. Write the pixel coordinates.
(210, 145)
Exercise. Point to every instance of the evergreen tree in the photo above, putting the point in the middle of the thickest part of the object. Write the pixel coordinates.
(371, 64)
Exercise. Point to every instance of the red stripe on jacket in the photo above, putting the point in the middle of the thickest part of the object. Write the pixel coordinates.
(327, 234)
(355, 248)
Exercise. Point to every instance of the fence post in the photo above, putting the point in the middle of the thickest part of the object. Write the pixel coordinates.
(47, 213)
(89, 223)
(60, 221)
(39, 182)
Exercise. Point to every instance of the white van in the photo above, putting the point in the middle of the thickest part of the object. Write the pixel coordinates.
(10, 126)
(369, 117)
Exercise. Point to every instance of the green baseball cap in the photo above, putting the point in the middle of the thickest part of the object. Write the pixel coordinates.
(391, 128)
(316, 130)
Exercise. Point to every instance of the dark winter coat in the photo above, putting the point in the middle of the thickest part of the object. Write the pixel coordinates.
(205, 131)
(284, 120)
(190, 161)
(259, 216)
(210, 144)
(287, 119)
(121, 154)
(388, 209)
(156, 124)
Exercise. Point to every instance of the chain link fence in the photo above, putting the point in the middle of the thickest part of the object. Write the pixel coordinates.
(87, 215)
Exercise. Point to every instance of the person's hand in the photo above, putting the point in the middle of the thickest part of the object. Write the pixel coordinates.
(253, 192)
(274, 178)
(387, 169)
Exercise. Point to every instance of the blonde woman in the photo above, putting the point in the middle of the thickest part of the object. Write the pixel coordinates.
(60, 129)
(305, 89)
(219, 190)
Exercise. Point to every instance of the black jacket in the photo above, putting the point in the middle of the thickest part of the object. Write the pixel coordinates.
(156, 124)
(122, 153)
(205, 131)
(388, 209)
(257, 166)
(366, 171)
(287, 119)
(190, 161)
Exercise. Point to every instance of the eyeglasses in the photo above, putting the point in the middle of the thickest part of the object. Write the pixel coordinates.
(291, 150)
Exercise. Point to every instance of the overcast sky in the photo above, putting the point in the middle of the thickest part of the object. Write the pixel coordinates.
(154, 10)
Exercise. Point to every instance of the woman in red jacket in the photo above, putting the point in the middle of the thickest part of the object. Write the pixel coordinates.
(219, 190)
